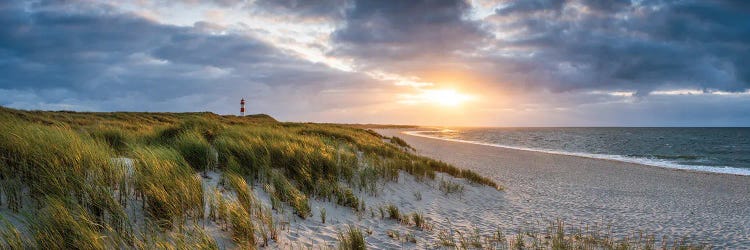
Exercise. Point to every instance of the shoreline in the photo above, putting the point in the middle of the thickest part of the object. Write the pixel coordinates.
(708, 207)
(723, 170)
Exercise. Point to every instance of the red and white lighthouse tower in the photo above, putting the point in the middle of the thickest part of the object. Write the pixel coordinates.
(242, 107)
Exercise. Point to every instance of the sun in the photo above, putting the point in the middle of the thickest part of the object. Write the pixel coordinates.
(445, 97)
(442, 97)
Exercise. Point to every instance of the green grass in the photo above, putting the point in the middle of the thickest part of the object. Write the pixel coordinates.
(345, 197)
(64, 225)
(10, 236)
(195, 149)
(170, 189)
(352, 239)
(116, 138)
(418, 219)
(286, 192)
(323, 215)
(243, 229)
(450, 187)
(59, 168)
(393, 212)
(244, 195)
(400, 142)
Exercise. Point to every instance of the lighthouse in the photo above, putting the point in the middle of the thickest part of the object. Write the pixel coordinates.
(242, 107)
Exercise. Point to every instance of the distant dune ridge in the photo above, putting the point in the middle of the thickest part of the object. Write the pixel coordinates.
(80, 180)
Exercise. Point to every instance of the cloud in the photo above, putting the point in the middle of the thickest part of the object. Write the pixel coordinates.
(306, 8)
(102, 60)
(544, 56)
(525, 7)
(623, 45)
(396, 30)
(556, 45)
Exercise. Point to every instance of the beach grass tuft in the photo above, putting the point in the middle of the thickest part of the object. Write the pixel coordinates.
(401, 143)
(170, 189)
(450, 187)
(393, 212)
(242, 227)
(352, 239)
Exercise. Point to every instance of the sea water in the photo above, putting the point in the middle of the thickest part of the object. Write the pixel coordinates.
(720, 150)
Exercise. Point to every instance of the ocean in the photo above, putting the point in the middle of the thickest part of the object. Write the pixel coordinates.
(719, 150)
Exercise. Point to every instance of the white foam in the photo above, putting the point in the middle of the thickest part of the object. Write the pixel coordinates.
(621, 158)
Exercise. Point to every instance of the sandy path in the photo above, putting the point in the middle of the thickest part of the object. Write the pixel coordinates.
(713, 208)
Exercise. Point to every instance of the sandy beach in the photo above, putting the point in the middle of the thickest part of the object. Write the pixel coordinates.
(707, 207)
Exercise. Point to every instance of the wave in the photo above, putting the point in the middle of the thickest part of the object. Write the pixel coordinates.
(659, 162)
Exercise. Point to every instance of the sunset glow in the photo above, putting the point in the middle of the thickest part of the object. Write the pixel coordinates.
(494, 63)
(441, 97)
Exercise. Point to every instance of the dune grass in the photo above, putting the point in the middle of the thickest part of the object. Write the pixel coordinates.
(243, 228)
(400, 142)
(70, 173)
(352, 239)
(71, 169)
(558, 236)
(393, 212)
(65, 225)
(450, 187)
(170, 190)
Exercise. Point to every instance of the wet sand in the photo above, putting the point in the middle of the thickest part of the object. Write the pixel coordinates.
(705, 207)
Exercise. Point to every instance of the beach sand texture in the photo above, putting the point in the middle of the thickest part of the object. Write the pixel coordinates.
(707, 207)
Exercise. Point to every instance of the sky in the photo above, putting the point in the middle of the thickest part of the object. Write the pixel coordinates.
(436, 62)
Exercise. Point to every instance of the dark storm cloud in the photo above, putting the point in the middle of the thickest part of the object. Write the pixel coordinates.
(306, 8)
(621, 45)
(560, 45)
(52, 49)
(201, 49)
(89, 58)
(396, 30)
(530, 6)
(222, 3)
